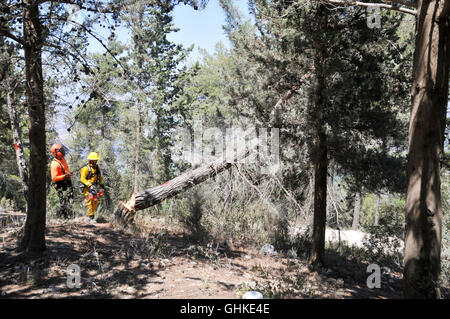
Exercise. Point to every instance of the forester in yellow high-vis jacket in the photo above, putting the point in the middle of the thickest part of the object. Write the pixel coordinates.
(91, 178)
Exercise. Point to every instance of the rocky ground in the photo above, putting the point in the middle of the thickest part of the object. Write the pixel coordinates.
(163, 262)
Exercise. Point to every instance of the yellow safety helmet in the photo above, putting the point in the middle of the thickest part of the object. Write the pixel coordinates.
(93, 157)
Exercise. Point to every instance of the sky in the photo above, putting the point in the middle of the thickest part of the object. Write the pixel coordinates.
(203, 28)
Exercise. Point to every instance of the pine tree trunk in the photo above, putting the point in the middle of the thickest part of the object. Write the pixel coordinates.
(356, 211)
(377, 211)
(330, 188)
(17, 138)
(34, 232)
(320, 202)
(321, 151)
(427, 123)
(137, 150)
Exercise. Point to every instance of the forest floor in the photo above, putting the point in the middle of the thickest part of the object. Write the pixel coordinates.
(163, 262)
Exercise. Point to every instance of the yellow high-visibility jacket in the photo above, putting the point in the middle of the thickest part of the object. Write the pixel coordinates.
(95, 177)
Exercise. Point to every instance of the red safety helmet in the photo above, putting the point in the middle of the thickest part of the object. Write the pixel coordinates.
(57, 150)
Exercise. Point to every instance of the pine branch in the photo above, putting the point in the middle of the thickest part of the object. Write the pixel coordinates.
(13, 37)
(288, 95)
(80, 3)
(446, 164)
(395, 7)
(78, 56)
(96, 37)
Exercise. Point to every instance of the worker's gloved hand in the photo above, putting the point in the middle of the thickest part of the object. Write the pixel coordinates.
(92, 192)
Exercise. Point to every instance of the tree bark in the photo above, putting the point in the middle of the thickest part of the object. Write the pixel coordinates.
(426, 132)
(137, 149)
(320, 202)
(377, 211)
(321, 149)
(34, 232)
(330, 178)
(125, 212)
(356, 211)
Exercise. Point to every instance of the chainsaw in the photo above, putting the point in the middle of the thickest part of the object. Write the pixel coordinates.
(95, 194)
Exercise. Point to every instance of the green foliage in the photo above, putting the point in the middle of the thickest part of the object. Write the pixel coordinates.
(391, 213)
(11, 189)
(148, 246)
(363, 119)
(146, 84)
(280, 237)
(383, 246)
(11, 192)
(209, 252)
(445, 252)
(189, 212)
(445, 191)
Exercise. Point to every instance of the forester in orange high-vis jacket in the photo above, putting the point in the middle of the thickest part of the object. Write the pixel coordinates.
(61, 179)
(92, 183)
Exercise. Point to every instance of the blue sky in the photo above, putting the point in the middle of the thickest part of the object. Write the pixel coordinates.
(203, 28)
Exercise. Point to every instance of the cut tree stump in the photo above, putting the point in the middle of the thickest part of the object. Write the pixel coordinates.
(126, 212)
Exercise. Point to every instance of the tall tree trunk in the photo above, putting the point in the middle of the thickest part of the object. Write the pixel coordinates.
(331, 203)
(321, 151)
(356, 211)
(377, 211)
(426, 128)
(137, 149)
(34, 232)
(140, 61)
(320, 201)
(330, 188)
(17, 139)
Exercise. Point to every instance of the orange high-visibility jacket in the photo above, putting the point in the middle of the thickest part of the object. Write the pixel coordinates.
(58, 168)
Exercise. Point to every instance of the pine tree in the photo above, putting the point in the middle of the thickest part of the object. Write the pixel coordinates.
(14, 177)
(35, 25)
(156, 74)
(346, 111)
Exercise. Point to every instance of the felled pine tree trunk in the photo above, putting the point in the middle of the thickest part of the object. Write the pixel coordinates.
(125, 212)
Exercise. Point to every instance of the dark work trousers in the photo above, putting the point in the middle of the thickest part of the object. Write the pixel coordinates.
(65, 194)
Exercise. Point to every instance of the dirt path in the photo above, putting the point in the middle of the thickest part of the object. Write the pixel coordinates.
(163, 263)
